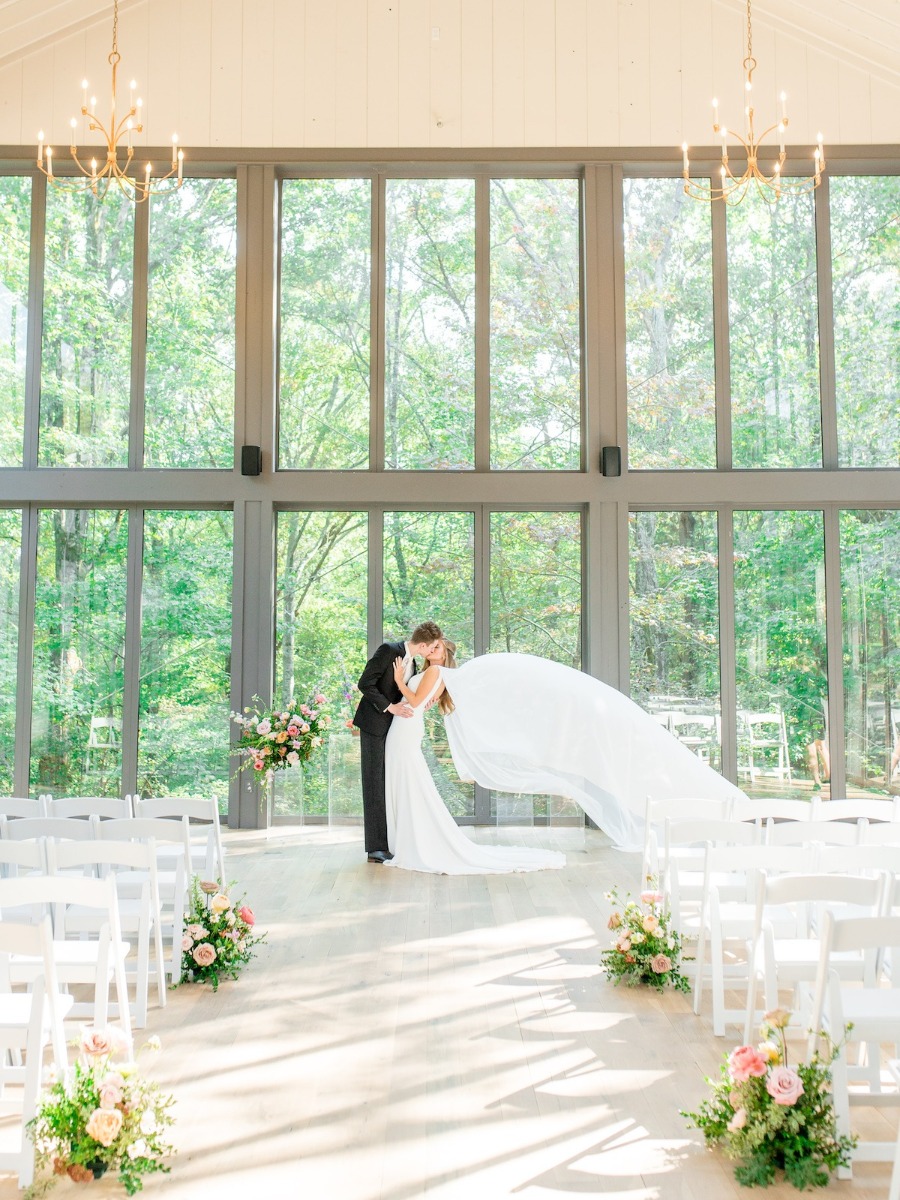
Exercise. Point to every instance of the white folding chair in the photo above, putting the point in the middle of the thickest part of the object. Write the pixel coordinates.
(773, 808)
(727, 924)
(851, 810)
(22, 858)
(872, 1009)
(683, 863)
(789, 958)
(655, 814)
(63, 828)
(104, 807)
(22, 806)
(98, 963)
(804, 833)
(882, 833)
(171, 839)
(207, 855)
(29, 1021)
(133, 866)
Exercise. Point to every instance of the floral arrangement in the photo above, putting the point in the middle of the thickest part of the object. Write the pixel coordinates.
(770, 1116)
(646, 949)
(102, 1116)
(350, 693)
(218, 937)
(274, 739)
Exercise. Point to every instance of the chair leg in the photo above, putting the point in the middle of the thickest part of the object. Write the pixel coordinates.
(160, 962)
(142, 977)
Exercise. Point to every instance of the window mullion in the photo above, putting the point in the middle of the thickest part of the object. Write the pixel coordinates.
(721, 342)
(827, 383)
(377, 327)
(727, 644)
(35, 322)
(482, 323)
(132, 672)
(835, 653)
(139, 306)
(25, 664)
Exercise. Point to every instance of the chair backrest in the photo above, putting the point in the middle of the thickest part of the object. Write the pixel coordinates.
(36, 941)
(851, 810)
(22, 806)
(691, 831)
(104, 807)
(767, 808)
(134, 856)
(21, 857)
(203, 815)
(57, 892)
(163, 830)
(799, 833)
(882, 833)
(858, 860)
(811, 895)
(65, 828)
(657, 811)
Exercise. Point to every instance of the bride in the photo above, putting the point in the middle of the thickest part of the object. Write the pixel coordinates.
(517, 723)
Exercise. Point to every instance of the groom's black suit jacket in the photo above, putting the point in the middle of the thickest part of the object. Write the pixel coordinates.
(379, 689)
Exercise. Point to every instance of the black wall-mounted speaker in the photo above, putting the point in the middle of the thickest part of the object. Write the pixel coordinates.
(611, 460)
(251, 460)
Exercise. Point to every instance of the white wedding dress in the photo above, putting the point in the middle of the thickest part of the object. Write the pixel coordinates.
(422, 834)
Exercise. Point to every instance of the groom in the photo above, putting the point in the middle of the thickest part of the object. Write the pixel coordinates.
(381, 701)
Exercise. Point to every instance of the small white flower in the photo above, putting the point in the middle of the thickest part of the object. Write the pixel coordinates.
(153, 1042)
(148, 1122)
(139, 1149)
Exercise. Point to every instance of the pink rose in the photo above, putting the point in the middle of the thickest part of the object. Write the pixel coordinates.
(293, 730)
(614, 921)
(349, 723)
(186, 942)
(738, 1121)
(305, 709)
(652, 897)
(110, 1091)
(784, 1085)
(204, 954)
(319, 698)
(246, 914)
(744, 1062)
(258, 764)
(661, 963)
(624, 943)
(104, 1125)
(97, 1042)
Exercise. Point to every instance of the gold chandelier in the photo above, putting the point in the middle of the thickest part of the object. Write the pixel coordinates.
(98, 177)
(732, 189)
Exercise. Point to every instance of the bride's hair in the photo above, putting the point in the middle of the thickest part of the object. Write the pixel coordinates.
(445, 704)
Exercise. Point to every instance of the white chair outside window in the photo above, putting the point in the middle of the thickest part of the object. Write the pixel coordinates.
(133, 867)
(763, 745)
(872, 1009)
(29, 1021)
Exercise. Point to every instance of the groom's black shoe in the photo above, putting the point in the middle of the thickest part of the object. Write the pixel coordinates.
(380, 856)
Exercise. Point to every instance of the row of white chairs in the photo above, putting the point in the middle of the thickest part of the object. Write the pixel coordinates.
(881, 817)
(68, 818)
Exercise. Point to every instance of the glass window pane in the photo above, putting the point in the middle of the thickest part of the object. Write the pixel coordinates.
(10, 554)
(320, 641)
(782, 679)
(669, 327)
(865, 245)
(15, 255)
(429, 574)
(535, 324)
(323, 374)
(185, 655)
(79, 652)
(870, 579)
(86, 357)
(773, 331)
(673, 561)
(536, 609)
(429, 383)
(189, 388)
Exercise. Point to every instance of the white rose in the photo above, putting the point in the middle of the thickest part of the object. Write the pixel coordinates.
(148, 1122)
(139, 1149)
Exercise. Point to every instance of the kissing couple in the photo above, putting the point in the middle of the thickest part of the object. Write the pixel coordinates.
(515, 723)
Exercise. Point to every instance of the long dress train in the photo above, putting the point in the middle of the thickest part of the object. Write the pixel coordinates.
(526, 724)
(422, 834)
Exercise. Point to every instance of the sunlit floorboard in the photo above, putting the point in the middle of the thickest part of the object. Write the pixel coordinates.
(404, 1035)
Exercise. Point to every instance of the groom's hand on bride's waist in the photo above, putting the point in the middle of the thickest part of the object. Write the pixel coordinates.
(400, 709)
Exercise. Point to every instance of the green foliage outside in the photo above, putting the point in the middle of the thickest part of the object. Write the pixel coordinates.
(189, 381)
(10, 542)
(15, 235)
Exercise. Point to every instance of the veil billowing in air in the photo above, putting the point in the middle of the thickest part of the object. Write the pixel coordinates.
(526, 724)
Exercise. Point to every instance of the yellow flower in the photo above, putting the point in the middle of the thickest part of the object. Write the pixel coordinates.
(770, 1052)
(220, 903)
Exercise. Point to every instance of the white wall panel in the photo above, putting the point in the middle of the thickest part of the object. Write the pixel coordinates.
(446, 83)
(476, 56)
(602, 41)
(290, 73)
(571, 73)
(371, 73)
(383, 73)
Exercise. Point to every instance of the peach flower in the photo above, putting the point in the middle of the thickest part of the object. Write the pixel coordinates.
(220, 903)
(745, 1062)
(204, 955)
(104, 1125)
(246, 914)
(661, 963)
(738, 1121)
(614, 921)
(97, 1042)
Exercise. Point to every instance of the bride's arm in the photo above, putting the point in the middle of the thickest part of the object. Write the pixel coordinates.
(417, 699)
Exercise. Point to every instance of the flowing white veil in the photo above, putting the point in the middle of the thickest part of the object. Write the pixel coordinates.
(526, 724)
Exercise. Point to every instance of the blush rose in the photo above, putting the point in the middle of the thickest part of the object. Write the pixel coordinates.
(745, 1062)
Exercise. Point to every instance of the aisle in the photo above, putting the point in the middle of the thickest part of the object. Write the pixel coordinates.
(405, 1035)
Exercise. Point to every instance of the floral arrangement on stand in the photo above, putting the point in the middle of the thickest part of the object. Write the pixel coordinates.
(219, 937)
(646, 949)
(274, 739)
(770, 1116)
(103, 1115)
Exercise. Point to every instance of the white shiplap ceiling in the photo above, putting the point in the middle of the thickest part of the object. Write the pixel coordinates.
(864, 33)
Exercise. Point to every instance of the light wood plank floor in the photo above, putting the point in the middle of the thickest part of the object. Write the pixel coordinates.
(404, 1035)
